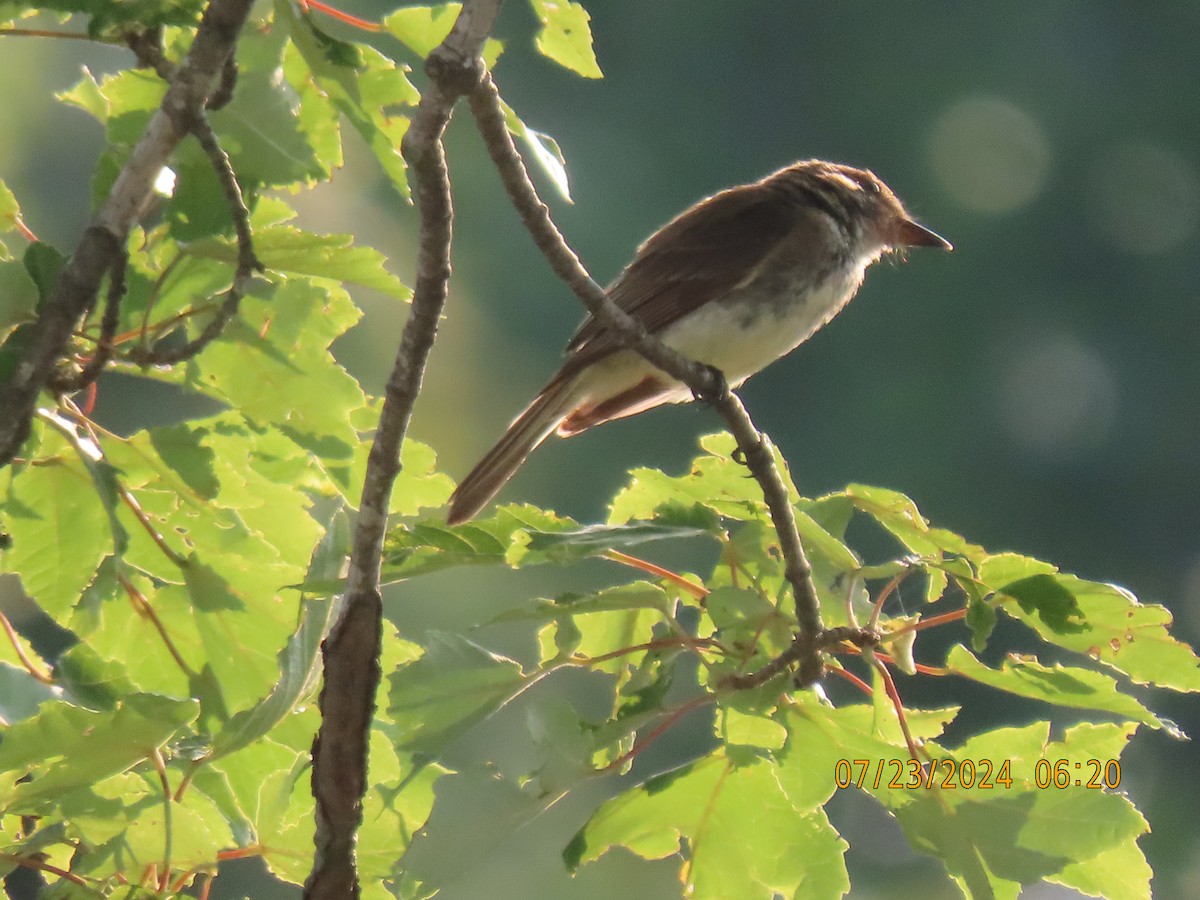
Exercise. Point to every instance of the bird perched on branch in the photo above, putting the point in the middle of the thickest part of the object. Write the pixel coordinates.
(735, 282)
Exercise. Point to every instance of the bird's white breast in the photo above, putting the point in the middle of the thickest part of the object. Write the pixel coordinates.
(739, 336)
(742, 338)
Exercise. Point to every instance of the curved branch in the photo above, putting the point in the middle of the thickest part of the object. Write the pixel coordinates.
(706, 383)
(105, 238)
(351, 652)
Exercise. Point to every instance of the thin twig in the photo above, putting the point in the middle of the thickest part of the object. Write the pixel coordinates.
(247, 263)
(32, 863)
(754, 447)
(351, 651)
(30, 666)
(78, 284)
(147, 47)
(108, 328)
(828, 639)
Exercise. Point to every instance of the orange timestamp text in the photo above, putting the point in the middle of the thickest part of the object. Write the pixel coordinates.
(980, 774)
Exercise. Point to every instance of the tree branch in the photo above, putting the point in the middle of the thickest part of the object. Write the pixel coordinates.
(351, 652)
(79, 282)
(706, 383)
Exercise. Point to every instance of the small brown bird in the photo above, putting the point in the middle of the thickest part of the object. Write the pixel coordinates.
(736, 282)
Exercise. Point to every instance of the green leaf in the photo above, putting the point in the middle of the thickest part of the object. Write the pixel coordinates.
(715, 481)
(453, 686)
(299, 661)
(10, 215)
(43, 263)
(566, 36)
(419, 485)
(180, 447)
(275, 356)
(283, 248)
(712, 805)
(357, 81)
(144, 13)
(993, 840)
(60, 528)
(1046, 597)
(431, 545)
(1119, 873)
(1105, 622)
(593, 540)
(1060, 685)
(259, 128)
(421, 28)
(65, 746)
(18, 299)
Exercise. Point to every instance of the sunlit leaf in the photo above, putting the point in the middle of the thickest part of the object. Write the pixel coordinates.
(566, 36)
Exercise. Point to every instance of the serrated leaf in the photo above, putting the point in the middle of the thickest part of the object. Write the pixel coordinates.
(710, 806)
(65, 746)
(714, 481)
(994, 840)
(275, 356)
(284, 248)
(431, 545)
(1105, 622)
(593, 540)
(60, 528)
(358, 81)
(299, 668)
(1058, 684)
(448, 690)
(566, 36)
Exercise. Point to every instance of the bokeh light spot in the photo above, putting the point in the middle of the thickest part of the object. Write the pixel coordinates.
(990, 155)
(1147, 198)
(1056, 397)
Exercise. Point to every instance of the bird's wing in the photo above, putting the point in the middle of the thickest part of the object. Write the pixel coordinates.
(696, 258)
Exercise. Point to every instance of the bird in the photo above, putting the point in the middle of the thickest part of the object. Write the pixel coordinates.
(734, 282)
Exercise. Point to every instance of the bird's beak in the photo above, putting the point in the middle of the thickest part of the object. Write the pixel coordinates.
(907, 233)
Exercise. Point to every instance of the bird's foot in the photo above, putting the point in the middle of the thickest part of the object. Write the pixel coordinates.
(719, 389)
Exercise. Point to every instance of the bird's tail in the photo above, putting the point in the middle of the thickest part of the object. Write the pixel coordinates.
(528, 430)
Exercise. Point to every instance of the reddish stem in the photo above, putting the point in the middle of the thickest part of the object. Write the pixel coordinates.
(932, 621)
(29, 863)
(306, 5)
(894, 695)
(143, 607)
(693, 643)
(888, 590)
(696, 590)
(852, 678)
(657, 731)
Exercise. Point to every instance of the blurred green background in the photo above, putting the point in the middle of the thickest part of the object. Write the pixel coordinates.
(1035, 390)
